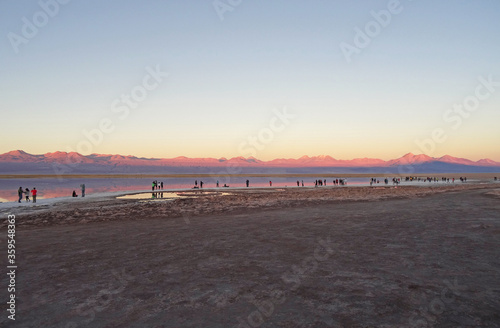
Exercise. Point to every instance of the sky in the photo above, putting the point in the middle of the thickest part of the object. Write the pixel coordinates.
(268, 79)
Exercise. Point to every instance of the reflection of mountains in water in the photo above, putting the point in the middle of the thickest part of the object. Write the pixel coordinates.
(53, 187)
(20, 162)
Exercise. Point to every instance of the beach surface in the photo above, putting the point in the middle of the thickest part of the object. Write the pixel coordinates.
(379, 256)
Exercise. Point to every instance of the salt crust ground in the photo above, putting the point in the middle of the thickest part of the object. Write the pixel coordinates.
(324, 257)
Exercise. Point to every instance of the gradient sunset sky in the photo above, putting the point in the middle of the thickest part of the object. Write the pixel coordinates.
(354, 78)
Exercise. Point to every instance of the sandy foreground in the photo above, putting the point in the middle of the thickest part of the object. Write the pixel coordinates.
(298, 257)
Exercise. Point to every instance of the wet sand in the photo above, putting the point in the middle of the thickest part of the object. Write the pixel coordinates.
(324, 257)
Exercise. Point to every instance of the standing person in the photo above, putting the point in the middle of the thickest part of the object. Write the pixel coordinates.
(195, 183)
(20, 194)
(298, 183)
(161, 185)
(217, 183)
(270, 183)
(27, 192)
(201, 184)
(83, 189)
(153, 186)
(302, 183)
(33, 193)
(248, 183)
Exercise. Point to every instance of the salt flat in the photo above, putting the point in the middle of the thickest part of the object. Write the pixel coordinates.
(346, 257)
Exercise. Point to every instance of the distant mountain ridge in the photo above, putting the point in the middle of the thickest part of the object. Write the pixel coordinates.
(73, 158)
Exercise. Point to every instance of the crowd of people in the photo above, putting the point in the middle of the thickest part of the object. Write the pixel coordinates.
(396, 181)
(321, 182)
(158, 185)
(335, 182)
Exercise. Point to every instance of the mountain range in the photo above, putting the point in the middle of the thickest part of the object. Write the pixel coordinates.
(18, 161)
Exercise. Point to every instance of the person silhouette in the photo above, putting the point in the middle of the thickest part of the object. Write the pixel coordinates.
(20, 194)
(33, 194)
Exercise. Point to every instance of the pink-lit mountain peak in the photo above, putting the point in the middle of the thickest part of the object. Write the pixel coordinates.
(17, 153)
(455, 160)
(64, 157)
(319, 158)
(487, 161)
(411, 158)
(447, 158)
(420, 157)
(62, 154)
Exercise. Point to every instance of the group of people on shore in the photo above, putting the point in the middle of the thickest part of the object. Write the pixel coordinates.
(434, 179)
(82, 186)
(396, 181)
(320, 183)
(216, 184)
(317, 183)
(156, 185)
(335, 182)
(26, 191)
(33, 192)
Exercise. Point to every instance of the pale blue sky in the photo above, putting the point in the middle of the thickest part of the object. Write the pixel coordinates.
(227, 76)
